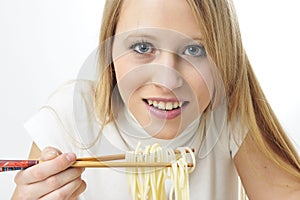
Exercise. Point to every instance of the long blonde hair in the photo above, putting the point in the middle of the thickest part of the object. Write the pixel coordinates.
(245, 98)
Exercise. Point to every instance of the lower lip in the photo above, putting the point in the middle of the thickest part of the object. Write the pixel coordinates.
(164, 114)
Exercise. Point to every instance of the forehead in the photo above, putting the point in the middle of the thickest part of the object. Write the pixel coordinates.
(166, 14)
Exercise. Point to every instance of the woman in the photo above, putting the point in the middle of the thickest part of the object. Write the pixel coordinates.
(175, 74)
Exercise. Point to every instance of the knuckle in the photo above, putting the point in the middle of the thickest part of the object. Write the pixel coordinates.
(17, 178)
(53, 182)
(74, 172)
(79, 190)
(62, 162)
(37, 174)
(23, 194)
(79, 171)
(58, 194)
(76, 182)
(83, 185)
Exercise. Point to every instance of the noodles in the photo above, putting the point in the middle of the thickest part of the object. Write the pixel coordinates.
(148, 183)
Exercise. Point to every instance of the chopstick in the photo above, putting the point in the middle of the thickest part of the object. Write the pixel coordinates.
(122, 164)
(116, 157)
(103, 158)
(101, 161)
(12, 165)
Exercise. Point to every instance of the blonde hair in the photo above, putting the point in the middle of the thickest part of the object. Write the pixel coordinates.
(245, 99)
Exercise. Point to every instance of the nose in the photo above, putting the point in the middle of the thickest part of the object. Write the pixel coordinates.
(166, 73)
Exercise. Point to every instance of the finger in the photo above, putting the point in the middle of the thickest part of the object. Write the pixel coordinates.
(54, 182)
(21, 192)
(45, 169)
(49, 153)
(64, 192)
(79, 191)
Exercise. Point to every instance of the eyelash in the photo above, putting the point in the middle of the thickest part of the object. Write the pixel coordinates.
(139, 43)
(201, 50)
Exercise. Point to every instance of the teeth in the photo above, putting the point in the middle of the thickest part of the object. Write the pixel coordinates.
(165, 105)
(180, 104)
(169, 106)
(162, 106)
(150, 102)
(175, 105)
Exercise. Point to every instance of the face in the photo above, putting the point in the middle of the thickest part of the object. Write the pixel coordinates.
(162, 72)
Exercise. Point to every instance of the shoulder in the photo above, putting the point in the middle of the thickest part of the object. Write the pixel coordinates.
(237, 134)
(73, 105)
(67, 111)
(68, 93)
(262, 178)
(70, 99)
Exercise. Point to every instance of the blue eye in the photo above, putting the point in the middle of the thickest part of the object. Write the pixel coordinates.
(195, 50)
(143, 47)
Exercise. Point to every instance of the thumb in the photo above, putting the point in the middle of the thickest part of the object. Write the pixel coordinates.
(49, 153)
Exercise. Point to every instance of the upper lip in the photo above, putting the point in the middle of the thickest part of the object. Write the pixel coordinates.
(161, 99)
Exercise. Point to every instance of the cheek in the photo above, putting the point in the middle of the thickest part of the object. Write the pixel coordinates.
(200, 92)
(201, 82)
(130, 76)
(121, 68)
(203, 95)
(128, 65)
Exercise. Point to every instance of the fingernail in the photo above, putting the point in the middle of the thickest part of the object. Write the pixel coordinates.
(49, 155)
(71, 157)
(52, 153)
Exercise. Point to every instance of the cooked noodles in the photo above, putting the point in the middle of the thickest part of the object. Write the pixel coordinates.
(148, 183)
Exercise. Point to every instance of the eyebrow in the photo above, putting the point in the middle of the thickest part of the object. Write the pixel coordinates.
(153, 37)
(138, 33)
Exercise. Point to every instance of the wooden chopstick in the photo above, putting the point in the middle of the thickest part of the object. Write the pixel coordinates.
(103, 158)
(101, 161)
(116, 157)
(11, 165)
(122, 164)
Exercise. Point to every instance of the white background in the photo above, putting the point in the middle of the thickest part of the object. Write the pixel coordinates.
(44, 43)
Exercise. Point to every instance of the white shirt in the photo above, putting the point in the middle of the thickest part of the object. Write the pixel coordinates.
(67, 122)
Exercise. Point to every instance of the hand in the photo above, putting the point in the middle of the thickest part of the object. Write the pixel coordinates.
(51, 179)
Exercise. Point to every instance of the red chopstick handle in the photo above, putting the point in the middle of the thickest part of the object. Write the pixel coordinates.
(11, 165)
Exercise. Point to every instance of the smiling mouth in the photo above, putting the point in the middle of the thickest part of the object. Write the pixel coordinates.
(165, 106)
